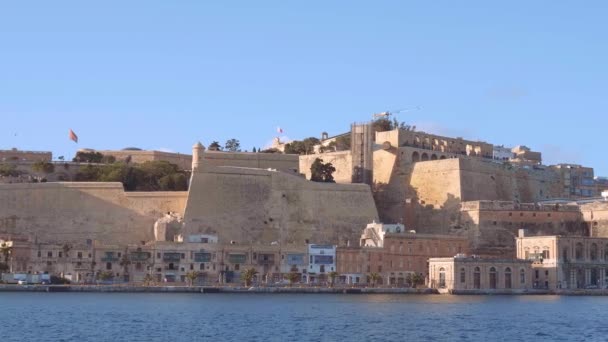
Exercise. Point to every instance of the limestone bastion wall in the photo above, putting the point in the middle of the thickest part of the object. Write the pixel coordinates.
(596, 216)
(342, 161)
(74, 212)
(260, 207)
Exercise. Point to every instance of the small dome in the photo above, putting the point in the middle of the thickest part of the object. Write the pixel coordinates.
(198, 145)
(132, 149)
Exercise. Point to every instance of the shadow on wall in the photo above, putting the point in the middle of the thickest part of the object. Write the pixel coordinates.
(67, 212)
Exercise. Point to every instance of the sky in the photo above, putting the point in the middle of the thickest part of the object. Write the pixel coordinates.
(166, 74)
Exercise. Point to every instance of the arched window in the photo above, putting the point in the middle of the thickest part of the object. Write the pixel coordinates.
(434, 157)
(565, 254)
(493, 278)
(415, 157)
(424, 157)
(442, 278)
(578, 251)
(463, 275)
(606, 252)
(508, 283)
(594, 277)
(593, 254)
(477, 278)
(546, 253)
(522, 276)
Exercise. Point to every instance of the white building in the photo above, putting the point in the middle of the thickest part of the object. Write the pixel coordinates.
(503, 153)
(373, 234)
(322, 260)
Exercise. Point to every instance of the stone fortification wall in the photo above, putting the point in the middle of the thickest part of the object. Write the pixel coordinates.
(493, 225)
(261, 207)
(282, 162)
(78, 211)
(18, 155)
(596, 216)
(342, 161)
(183, 161)
(488, 180)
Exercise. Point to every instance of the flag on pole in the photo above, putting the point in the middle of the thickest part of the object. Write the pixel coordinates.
(73, 136)
(279, 130)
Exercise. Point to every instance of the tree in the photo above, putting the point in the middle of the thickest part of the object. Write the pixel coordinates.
(148, 280)
(42, 166)
(88, 157)
(232, 145)
(254, 150)
(215, 146)
(332, 278)
(105, 275)
(9, 170)
(415, 279)
(248, 276)
(125, 262)
(6, 250)
(192, 276)
(385, 124)
(322, 172)
(292, 277)
(343, 142)
(305, 146)
(374, 278)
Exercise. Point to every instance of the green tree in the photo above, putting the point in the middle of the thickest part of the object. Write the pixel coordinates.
(88, 157)
(322, 172)
(232, 145)
(305, 146)
(42, 166)
(343, 142)
(148, 280)
(192, 276)
(6, 250)
(292, 277)
(332, 278)
(415, 279)
(105, 275)
(248, 276)
(9, 170)
(215, 146)
(374, 278)
(254, 150)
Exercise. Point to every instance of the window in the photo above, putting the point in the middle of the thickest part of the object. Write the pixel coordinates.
(593, 254)
(578, 253)
(39, 254)
(546, 254)
(463, 275)
(49, 254)
(565, 254)
(61, 254)
(442, 278)
(522, 276)
(477, 278)
(508, 278)
(79, 255)
(493, 278)
(237, 267)
(201, 267)
(109, 266)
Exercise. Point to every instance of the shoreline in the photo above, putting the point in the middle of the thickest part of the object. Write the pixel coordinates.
(284, 290)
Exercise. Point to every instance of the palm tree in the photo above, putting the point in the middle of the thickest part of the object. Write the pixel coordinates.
(415, 279)
(192, 276)
(292, 277)
(374, 278)
(6, 250)
(332, 276)
(148, 280)
(125, 262)
(248, 276)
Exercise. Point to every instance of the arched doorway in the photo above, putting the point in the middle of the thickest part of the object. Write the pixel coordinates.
(434, 157)
(493, 278)
(477, 278)
(442, 278)
(508, 283)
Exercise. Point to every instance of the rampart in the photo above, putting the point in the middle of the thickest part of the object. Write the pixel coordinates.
(342, 161)
(74, 212)
(183, 161)
(260, 206)
(276, 161)
(31, 156)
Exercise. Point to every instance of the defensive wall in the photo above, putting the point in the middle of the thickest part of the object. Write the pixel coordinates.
(283, 162)
(75, 212)
(596, 214)
(183, 161)
(493, 225)
(261, 206)
(18, 155)
(342, 161)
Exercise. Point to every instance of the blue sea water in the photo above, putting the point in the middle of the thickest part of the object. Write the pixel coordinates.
(286, 317)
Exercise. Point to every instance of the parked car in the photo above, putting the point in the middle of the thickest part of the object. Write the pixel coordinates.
(22, 282)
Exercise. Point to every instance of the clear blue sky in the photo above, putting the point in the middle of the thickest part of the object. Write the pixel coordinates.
(164, 74)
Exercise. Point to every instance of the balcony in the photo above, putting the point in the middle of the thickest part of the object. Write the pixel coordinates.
(139, 256)
(172, 257)
(110, 258)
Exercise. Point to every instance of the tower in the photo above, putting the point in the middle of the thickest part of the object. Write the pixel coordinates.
(197, 155)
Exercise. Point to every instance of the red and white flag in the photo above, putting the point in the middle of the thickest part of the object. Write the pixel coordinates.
(279, 130)
(73, 136)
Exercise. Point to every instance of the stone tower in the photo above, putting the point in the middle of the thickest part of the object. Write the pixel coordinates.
(197, 155)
